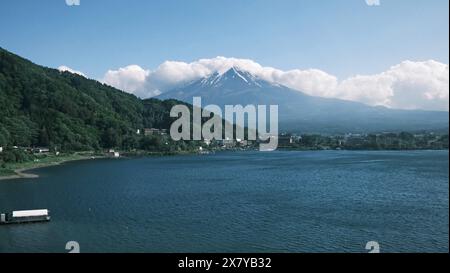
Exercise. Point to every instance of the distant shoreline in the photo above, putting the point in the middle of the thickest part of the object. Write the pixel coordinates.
(19, 174)
(23, 172)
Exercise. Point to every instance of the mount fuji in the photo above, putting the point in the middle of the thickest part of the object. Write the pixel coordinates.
(299, 112)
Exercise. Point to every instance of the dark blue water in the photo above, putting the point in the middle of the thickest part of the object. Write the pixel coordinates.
(333, 201)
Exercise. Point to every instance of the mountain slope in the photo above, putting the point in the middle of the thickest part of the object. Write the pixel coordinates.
(45, 107)
(299, 112)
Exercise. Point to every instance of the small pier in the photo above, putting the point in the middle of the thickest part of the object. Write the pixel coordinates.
(25, 216)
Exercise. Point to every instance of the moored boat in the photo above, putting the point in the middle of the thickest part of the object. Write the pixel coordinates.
(25, 216)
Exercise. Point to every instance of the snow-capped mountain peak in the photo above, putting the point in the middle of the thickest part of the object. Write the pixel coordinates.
(300, 112)
(233, 75)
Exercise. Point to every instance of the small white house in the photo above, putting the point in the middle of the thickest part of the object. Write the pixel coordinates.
(41, 150)
(113, 153)
(1, 149)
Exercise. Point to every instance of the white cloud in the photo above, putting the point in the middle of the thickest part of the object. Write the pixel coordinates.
(64, 68)
(131, 79)
(311, 81)
(73, 2)
(408, 85)
(373, 2)
(170, 74)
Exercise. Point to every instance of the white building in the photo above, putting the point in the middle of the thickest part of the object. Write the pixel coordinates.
(113, 153)
(41, 150)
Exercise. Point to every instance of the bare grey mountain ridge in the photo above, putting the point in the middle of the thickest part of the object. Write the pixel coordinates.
(299, 112)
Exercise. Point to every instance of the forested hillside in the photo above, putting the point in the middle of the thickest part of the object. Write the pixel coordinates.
(45, 107)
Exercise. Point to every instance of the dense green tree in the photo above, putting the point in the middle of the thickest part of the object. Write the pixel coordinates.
(45, 107)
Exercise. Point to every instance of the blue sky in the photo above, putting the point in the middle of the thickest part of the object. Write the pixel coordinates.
(342, 37)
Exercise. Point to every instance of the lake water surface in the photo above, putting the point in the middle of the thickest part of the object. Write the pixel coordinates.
(327, 201)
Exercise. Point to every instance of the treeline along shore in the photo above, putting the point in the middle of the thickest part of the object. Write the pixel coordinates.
(372, 141)
(15, 161)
